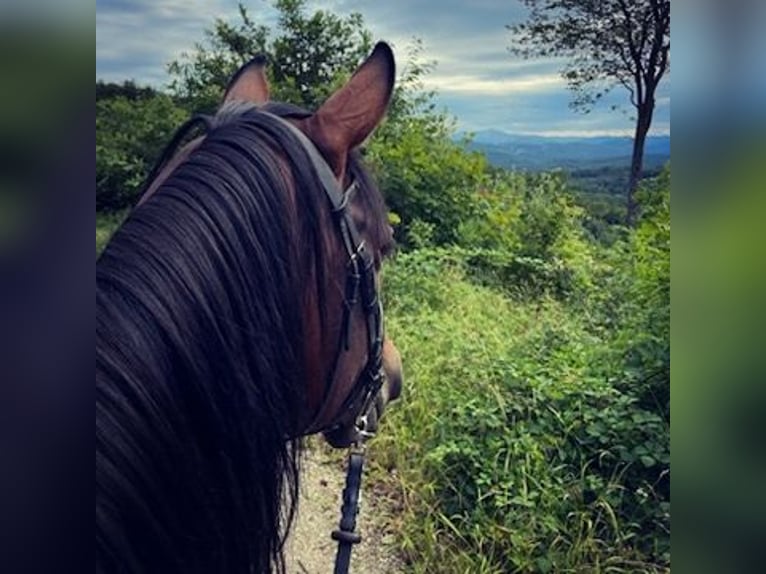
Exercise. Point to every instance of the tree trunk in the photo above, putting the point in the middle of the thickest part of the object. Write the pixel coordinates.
(643, 123)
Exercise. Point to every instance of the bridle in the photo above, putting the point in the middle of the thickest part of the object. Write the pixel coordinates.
(360, 284)
(360, 287)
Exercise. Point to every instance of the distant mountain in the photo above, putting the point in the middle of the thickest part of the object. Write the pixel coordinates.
(537, 153)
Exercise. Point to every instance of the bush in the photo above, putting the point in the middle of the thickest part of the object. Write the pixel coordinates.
(526, 236)
(130, 135)
(106, 225)
(425, 176)
(519, 453)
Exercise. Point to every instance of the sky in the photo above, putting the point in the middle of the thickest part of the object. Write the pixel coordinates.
(477, 79)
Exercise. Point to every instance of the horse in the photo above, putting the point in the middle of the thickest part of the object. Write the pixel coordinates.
(238, 310)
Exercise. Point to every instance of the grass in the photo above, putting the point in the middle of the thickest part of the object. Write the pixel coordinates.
(487, 439)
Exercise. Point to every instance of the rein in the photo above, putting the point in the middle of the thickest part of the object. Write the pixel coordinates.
(345, 535)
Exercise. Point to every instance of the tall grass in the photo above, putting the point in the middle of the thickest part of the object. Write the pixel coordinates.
(512, 453)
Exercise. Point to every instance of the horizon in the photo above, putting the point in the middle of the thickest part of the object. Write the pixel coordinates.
(615, 134)
(477, 81)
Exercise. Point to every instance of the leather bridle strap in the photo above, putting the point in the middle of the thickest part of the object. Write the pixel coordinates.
(360, 284)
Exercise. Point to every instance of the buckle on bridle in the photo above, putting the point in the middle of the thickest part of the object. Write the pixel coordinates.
(362, 434)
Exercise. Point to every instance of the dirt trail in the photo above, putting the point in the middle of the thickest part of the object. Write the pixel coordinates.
(310, 549)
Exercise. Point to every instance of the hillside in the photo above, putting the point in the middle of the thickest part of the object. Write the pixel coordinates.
(541, 153)
(597, 166)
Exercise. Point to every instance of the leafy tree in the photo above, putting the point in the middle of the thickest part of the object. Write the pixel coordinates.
(314, 53)
(426, 177)
(429, 180)
(309, 55)
(199, 77)
(130, 134)
(527, 236)
(127, 89)
(608, 43)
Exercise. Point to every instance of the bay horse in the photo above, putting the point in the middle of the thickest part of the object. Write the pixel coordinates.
(237, 310)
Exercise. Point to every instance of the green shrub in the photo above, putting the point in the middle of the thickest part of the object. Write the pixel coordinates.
(130, 135)
(425, 176)
(526, 237)
(513, 449)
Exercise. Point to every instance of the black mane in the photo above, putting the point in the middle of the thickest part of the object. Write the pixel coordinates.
(199, 335)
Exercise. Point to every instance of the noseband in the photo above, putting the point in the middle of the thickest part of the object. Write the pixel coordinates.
(361, 287)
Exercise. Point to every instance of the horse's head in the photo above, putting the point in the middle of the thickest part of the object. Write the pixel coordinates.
(352, 370)
(237, 307)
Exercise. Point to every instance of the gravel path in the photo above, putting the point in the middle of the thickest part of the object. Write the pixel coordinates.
(310, 549)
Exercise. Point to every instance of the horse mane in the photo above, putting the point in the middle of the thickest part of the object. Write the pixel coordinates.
(199, 338)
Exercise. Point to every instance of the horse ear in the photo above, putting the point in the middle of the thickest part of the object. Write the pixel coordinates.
(351, 114)
(249, 84)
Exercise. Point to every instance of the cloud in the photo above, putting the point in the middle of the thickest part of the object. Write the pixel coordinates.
(543, 114)
(476, 78)
(137, 39)
(507, 86)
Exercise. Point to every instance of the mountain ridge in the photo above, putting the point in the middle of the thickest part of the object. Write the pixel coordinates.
(538, 153)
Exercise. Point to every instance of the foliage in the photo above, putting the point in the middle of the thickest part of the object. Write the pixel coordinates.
(645, 332)
(314, 53)
(309, 55)
(527, 237)
(127, 89)
(199, 78)
(106, 224)
(610, 179)
(130, 135)
(529, 445)
(425, 176)
(604, 213)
